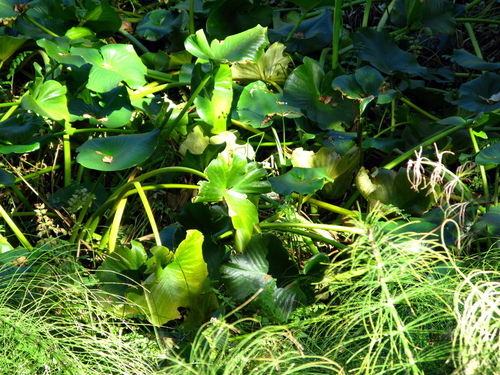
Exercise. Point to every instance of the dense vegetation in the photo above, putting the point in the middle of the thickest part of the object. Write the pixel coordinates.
(249, 187)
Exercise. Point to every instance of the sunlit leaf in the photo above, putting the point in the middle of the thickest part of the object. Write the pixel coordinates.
(48, 99)
(117, 152)
(300, 180)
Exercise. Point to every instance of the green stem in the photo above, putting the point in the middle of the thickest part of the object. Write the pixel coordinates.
(67, 159)
(336, 228)
(296, 26)
(41, 27)
(442, 134)
(366, 14)
(482, 169)
(149, 212)
(20, 236)
(161, 76)
(253, 130)
(313, 236)
(134, 40)
(385, 16)
(418, 109)
(473, 40)
(331, 207)
(337, 28)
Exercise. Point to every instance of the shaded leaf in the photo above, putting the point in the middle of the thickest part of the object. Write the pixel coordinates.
(300, 180)
(481, 94)
(468, 60)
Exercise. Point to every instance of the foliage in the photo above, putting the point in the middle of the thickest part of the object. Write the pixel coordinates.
(207, 169)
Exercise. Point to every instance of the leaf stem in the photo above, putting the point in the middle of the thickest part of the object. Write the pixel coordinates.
(20, 236)
(337, 28)
(418, 109)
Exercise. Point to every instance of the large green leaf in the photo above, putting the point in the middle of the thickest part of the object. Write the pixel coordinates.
(214, 103)
(379, 50)
(20, 129)
(102, 18)
(248, 45)
(7, 9)
(312, 35)
(481, 94)
(47, 99)
(468, 60)
(305, 89)
(6, 178)
(489, 155)
(9, 45)
(59, 50)
(177, 281)
(392, 188)
(265, 264)
(156, 24)
(272, 67)
(111, 65)
(118, 152)
(231, 179)
(258, 106)
(111, 109)
(300, 180)
(435, 15)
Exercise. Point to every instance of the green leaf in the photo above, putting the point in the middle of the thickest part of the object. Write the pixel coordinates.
(118, 152)
(20, 129)
(47, 99)
(257, 106)
(304, 89)
(300, 180)
(264, 264)
(214, 103)
(481, 94)
(272, 67)
(248, 45)
(7, 9)
(232, 180)
(111, 65)
(111, 109)
(6, 178)
(489, 155)
(392, 188)
(59, 50)
(155, 25)
(379, 50)
(102, 18)
(468, 60)
(174, 285)
(9, 45)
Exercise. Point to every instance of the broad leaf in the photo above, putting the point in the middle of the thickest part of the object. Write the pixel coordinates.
(48, 99)
(118, 152)
(481, 94)
(468, 60)
(272, 67)
(305, 89)
(6, 179)
(489, 155)
(176, 284)
(102, 18)
(264, 264)
(9, 45)
(379, 50)
(111, 65)
(155, 25)
(248, 45)
(232, 179)
(258, 106)
(392, 188)
(111, 109)
(300, 180)
(20, 129)
(214, 104)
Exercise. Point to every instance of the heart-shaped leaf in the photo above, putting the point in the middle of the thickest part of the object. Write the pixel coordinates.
(489, 155)
(214, 104)
(48, 99)
(468, 60)
(265, 264)
(176, 284)
(111, 109)
(111, 65)
(6, 179)
(272, 67)
(9, 45)
(481, 94)
(102, 18)
(155, 25)
(248, 45)
(118, 152)
(379, 50)
(300, 180)
(305, 89)
(232, 179)
(257, 106)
